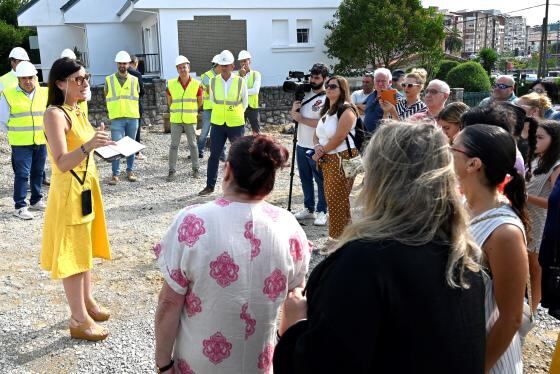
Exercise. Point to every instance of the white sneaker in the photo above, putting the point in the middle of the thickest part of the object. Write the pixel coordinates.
(304, 214)
(23, 213)
(321, 219)
(38, 206)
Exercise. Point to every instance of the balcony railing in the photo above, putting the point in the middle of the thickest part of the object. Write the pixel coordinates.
(148, 63)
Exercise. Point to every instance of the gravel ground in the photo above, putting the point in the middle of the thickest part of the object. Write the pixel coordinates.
(33, 312)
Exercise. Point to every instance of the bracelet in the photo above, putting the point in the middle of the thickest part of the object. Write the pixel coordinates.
(84, 150)
(166, 367)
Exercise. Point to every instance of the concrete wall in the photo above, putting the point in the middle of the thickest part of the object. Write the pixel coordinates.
(43, 13)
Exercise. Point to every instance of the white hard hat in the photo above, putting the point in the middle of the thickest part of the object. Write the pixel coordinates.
(68, 53)
(215, 59)
(122, 56)
(181, 60)
(19, 54)
(25, 69)
(225, 58)
(243, 55)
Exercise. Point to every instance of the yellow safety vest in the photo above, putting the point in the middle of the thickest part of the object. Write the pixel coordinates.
(25, 126)
(184, 105)
(122, 101)
(207, 103)
(253, 99)
(8, 80)
(228, 110)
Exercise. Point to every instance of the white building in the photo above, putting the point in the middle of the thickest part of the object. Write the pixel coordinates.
(281, 36)
(515, 36)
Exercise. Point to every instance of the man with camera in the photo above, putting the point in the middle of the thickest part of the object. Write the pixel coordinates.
(307, 113)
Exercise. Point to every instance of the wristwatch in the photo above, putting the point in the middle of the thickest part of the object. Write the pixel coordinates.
(163, 369)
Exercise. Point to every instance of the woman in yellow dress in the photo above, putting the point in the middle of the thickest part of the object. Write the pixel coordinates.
(74, 230)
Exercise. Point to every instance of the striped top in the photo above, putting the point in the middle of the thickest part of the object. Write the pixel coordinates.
(481, 227)
(404, 110)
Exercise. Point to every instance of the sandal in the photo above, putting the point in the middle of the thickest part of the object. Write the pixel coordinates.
(101, 315)
(87, 330)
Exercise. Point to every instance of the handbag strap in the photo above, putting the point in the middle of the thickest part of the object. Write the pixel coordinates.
(312, 98)
(339, 113)
(83, 180)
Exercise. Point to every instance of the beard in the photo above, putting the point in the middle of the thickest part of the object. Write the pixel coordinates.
(317, 86)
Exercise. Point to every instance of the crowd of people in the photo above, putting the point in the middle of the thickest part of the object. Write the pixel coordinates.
(455, 246)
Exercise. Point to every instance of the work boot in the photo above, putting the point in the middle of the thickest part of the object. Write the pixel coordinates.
(206, 191)
(171, 176)
(131, 176)
(195, 173)
(114, 180)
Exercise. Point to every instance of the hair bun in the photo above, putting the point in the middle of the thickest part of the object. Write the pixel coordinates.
(267, 152)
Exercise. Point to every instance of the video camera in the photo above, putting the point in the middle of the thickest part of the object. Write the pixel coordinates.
(297, 83)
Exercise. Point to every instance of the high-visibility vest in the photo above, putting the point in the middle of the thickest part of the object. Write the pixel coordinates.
(8, 80)
(228, 110)
(25, 126)
(253, 99)
(122, 101)
(184, 105)
(207, 103)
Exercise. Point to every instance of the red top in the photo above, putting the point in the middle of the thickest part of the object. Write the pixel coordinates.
(185, 85)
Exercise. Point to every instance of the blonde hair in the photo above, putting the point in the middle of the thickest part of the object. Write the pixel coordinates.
(419, 75)
(536, 100)
(410, 195)
(453, 112)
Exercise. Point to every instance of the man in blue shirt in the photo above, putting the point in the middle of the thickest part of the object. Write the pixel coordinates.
(373, 112)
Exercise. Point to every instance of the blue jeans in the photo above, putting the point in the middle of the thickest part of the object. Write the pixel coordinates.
(307, 172)
(218, 137)
(28, 162)
(121, 127)
(206, 114)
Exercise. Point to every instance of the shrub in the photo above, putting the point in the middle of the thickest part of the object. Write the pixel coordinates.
(469, 75)
(444, 67)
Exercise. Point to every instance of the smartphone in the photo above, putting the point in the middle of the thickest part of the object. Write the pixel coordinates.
(389, 95)
(87, 207)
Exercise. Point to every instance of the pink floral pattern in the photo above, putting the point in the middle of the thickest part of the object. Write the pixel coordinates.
(255, 242)
(311, 247)
(177, 276)
(216, 348)
(193, 304)
(274, 284)
(295, 249)
(265, 358)
(191, 230)
(272, 212)
(222, 202)
(184, 367)
(157, 249)
(249, 322)
(224, 270)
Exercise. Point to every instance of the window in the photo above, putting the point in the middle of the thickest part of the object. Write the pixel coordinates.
(280, 32)
(303, 31)
(302, 36)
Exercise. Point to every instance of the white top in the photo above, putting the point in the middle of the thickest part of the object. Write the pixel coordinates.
(235, 263)
(227, 85)
(256, 82)
(481, 227)
(359, 97)
(326, 128)
(310, 110)
(5, 108)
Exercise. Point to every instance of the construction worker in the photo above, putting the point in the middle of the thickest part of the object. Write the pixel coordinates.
(207, 106)
(184, 97)
(253, 80)
(21, 114)
(228, 93)
(9, 79)
(122, 94)
(83, 105)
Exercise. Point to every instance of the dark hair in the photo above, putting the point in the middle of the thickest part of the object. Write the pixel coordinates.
(496, 150)
(133, 59)
(344, 97)
(60, 70)
(551, 89)
(452, 112)
(254, 161)
(319, 68)
(397, 74)
(552, 154)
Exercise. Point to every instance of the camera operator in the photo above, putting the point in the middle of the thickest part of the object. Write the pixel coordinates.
(307, 113)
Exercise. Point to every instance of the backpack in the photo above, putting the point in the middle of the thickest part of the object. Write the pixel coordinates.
(359, 129)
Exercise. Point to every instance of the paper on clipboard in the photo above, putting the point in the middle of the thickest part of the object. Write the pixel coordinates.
(124, 148)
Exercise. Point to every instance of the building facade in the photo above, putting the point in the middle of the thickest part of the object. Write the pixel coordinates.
(515, 35)
(482, 29)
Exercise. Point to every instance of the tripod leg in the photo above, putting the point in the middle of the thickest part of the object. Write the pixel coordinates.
(292, 166)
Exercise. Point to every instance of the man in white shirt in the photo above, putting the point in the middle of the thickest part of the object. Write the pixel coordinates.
(359, 97)
(307, 114)
(253, 81)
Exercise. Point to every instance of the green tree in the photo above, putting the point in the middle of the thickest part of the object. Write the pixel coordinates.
(382, 32)
(10, 34)
(487, 58)
(444, 67)
(453, 41)
(9, 9)
(469, 75)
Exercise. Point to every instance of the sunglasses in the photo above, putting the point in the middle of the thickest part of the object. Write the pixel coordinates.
(501, 86)
(80, 80)
(537, 90)
(453, 149)
(331, 86)
(409, 85)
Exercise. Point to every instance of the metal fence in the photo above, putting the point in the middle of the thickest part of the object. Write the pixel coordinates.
(474, 98)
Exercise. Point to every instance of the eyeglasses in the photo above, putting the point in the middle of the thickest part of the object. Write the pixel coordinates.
(331, 86)
(501, 86)
(540, 91)
(409, 85)
(432, 91)
(453, 149)
(80, 79)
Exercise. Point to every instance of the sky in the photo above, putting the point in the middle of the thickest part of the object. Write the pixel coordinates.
(534, 16)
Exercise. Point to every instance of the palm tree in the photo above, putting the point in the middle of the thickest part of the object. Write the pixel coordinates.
(453, 41)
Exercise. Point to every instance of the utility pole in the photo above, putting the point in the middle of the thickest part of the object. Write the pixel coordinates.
(544, 44)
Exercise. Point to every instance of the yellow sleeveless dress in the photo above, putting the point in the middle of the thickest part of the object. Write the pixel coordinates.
(70, 240)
